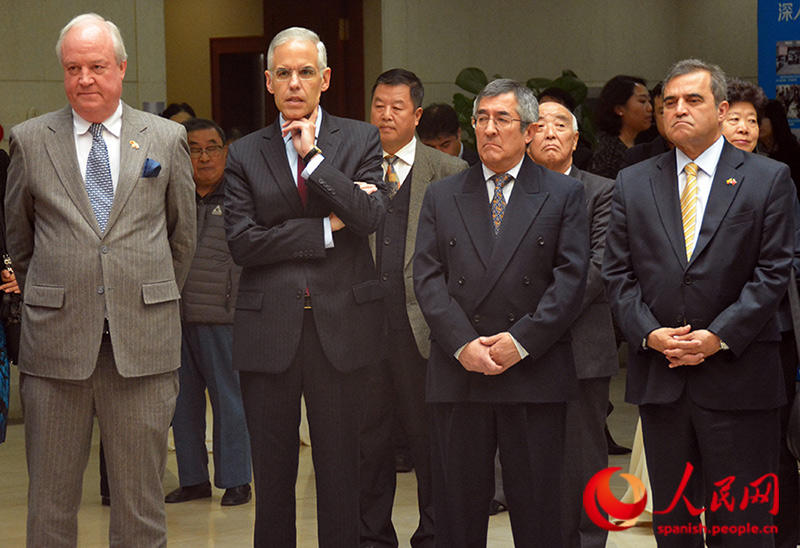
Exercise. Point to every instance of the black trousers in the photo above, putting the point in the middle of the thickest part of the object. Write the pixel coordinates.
(334, 406)
(720, 445)
(530, 437)
(396, 388)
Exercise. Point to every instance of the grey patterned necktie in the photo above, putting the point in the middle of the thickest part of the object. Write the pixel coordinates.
(390, 178)
(98, 177)
(498, 200)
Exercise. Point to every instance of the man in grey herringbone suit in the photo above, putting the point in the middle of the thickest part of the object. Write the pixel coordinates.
(101, 229)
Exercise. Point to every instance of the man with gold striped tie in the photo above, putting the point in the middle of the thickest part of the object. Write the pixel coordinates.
(698, 255)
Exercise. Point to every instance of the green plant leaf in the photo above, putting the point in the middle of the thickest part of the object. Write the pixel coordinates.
(574, 86)
(472, 79)
(538, 84)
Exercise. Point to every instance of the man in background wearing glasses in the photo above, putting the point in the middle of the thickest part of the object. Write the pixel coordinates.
(500, 271)
(308, 314)
(207, 340)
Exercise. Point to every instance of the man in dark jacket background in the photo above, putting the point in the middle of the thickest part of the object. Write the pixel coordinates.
(207, 346)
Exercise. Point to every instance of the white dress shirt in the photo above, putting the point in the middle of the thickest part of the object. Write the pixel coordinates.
(404, 163)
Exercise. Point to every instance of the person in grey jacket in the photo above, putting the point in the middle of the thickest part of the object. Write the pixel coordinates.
(207, 304)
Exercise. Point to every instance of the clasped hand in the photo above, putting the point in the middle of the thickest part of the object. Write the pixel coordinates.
(490, 355)
(682, 346)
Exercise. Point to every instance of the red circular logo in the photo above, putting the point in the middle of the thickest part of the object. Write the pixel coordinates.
(598, 491)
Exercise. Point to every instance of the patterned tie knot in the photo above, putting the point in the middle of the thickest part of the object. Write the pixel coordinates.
(691, 169)
(390, 159)
(96, 130)
(502, 179)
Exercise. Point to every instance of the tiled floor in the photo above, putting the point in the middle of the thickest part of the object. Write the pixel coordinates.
(206, 524)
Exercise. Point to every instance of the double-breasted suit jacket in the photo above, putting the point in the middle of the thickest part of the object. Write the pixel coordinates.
(73, 275)
(281, 246)
(529, 281)
(732, 285)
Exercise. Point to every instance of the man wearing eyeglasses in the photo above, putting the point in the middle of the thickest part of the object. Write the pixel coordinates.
(500, 271)
(207, 340)
(308, 314)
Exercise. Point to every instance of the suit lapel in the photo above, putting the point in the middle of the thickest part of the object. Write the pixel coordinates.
(665, 192)
(60, 146)
(421, 173)
(722, 194)
(524, 205)
(131, 159)
(274, 152)
(473, 205)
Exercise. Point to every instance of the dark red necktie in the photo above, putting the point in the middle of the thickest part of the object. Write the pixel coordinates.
(301, 183)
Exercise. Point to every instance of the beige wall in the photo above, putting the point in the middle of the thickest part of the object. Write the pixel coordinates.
(189, 26)
(597, 39)
(30, 75)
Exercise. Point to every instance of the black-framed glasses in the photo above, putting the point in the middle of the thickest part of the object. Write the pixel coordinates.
(214, 151)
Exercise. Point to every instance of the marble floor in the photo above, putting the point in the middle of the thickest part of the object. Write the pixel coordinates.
(204, 523)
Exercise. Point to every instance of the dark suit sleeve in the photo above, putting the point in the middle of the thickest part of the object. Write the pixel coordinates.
(361, 213)
(624, 292)
(19, 211)
(601, 193)
(561, 301)
(253, 240)
(744, 319)
(449, 325)
(181, 209)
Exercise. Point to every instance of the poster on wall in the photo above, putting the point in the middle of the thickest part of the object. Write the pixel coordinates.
(779, 54)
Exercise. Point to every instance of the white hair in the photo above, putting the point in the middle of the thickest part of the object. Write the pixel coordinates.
(113, 31)
(299, 34)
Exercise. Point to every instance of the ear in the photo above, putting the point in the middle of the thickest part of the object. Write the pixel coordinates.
(529, 131)
(722, 110)
(269, 82)
(123, 66)
(417, 115)
(326, 78)
(575, 141)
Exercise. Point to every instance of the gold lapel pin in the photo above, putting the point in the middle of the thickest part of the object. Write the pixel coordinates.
(731, 181)
(134, 145)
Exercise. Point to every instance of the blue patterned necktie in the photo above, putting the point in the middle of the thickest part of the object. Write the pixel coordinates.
(498, 200)
(98, 177)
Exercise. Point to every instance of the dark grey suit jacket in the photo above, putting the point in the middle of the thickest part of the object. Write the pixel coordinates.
(281, 246)
(429, 165)
(593, 340)
(737, 275)
(529, 281)
(72, 275)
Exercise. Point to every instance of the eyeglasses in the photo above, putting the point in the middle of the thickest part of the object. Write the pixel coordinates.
(284, 74)
(500, 122)
(214, 151)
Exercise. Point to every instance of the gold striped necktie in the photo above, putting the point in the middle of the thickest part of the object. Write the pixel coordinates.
(390, 178)
(689, 207)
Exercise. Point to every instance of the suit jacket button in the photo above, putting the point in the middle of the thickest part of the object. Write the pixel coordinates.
(540, 240)
(101, 290)
(510, 317)
(299, 293)
(476, 318)
(385, 276)
(390, 209)
(687, 280)
(679, 319)
(104, 249)
(461, 280)
(526, 280)
(452, 242)
(387, 241)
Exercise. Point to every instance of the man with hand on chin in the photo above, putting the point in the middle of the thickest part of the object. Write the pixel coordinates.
(309, 300)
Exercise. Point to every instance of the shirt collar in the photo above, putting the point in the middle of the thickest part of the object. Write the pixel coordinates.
(707, 161)
(317, 124)
(113, 123)
(407, 153)
(514, 171)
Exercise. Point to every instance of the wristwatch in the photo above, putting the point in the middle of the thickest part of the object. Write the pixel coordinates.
(311, 153)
